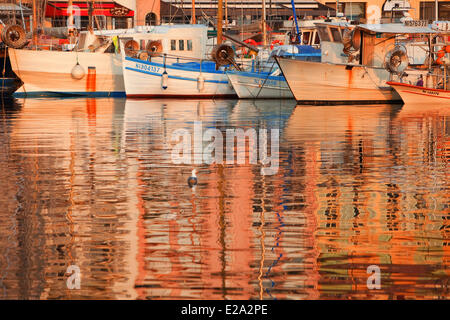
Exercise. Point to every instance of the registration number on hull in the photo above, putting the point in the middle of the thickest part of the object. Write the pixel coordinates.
(149, 68)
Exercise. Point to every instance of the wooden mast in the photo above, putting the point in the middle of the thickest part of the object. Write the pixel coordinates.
(70, 13)
(90, 13)
(264, 23)
(35, 38)
(219, 21)
(226, 13)
(193, 18)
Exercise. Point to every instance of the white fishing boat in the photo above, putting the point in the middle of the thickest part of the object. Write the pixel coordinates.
(356, 63)
(170, 76)
(257, 84)
(94, 66)
(433, 89)
(412, 94)
(254, 85)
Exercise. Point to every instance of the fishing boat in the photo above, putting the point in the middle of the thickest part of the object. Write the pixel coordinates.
(173, 76)
(434, 88)
(93, 66)
(256, 84)
(412, 94)
(357, 62)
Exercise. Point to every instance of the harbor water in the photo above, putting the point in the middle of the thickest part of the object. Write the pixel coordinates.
(91, 185)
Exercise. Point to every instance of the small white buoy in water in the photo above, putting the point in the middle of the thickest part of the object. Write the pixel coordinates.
(78, 72)
(192, 180)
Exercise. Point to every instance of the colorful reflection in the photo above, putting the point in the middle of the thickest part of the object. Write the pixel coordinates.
(90, 182)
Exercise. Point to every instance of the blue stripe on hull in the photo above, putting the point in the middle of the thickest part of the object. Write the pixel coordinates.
(174, 77)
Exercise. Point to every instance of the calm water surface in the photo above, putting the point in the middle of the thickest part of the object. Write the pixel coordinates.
(91, 183)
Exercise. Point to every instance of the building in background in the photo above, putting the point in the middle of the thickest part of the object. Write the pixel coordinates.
(238, 12)
(390, 10)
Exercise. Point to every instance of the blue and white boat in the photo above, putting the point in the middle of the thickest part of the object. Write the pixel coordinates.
(256, 84)
(170, 76)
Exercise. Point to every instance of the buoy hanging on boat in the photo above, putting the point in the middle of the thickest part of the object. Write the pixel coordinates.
(165, 76)
(165, 80)
(200, 83)
(192, 180)
(78, 72)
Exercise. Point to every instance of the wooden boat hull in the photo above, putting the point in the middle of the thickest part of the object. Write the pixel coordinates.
(325, 83)
(418, 95)
(143, 79)
(251, 85)
(48, 72)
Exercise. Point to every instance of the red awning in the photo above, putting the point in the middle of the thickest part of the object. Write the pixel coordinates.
(109, 9)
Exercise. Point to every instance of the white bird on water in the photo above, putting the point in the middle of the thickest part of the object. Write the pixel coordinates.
(192, 180)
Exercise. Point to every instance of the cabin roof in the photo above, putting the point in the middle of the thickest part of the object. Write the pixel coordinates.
(341, 24)
(396, 28)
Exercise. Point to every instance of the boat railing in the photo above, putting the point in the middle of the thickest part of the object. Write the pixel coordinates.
(438, 80)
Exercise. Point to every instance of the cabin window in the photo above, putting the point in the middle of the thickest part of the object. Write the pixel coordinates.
(306, 38)
(316, 38)
(189, 45)
(323, 33)
(173, 45)
(181, 45)
(336, 34)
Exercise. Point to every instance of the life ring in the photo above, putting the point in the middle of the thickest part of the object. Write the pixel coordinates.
(131, 48)
(279, 42)
(14, 36)
(291, 17)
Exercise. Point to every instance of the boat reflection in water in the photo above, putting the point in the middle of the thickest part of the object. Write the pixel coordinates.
(91, 183)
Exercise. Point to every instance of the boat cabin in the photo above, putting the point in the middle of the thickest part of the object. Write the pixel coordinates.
(188, 41)
(374, 45)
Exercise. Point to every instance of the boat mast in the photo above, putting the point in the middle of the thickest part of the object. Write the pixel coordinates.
(264, 23)
(436, 10)
(70, 13)
(295, 20)
(35, 38)
(193, 18)
(90, 12)
(226, 13)
(219, 21)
